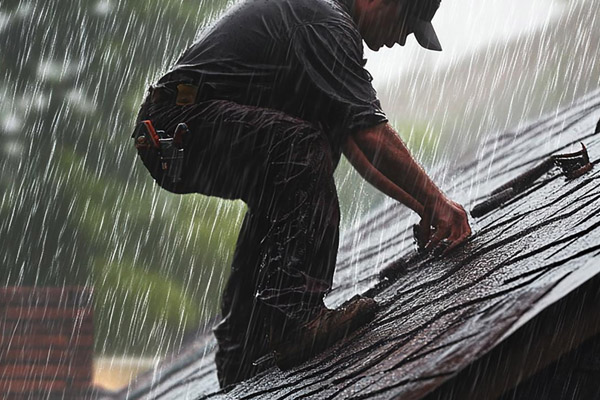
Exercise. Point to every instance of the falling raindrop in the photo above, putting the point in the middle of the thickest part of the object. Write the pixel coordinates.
(78, 208)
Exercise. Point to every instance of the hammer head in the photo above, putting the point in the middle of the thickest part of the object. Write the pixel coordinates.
(574, 164)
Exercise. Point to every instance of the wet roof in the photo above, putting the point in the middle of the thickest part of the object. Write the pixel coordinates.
(478, 321)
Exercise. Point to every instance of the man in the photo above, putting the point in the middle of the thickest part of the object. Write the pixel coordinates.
(260, 108)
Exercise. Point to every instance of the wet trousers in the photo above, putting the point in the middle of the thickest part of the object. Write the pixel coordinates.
(284, 260)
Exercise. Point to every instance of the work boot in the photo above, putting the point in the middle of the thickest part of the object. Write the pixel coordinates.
(320, 332)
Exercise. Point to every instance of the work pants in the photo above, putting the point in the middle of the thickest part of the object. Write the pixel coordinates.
(284, 260)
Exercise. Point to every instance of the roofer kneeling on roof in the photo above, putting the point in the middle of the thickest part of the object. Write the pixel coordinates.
(260, 108)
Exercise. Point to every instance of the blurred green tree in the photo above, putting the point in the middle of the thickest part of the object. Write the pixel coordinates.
(76, 206)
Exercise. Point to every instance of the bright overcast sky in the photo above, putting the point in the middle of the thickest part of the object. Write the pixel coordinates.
(464, 26)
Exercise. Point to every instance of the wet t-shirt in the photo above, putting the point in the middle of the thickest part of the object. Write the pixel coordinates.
(303, 57)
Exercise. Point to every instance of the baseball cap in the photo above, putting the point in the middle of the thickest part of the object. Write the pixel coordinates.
(421, 13)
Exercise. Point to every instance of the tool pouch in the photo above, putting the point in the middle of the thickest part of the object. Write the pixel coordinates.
(171, 157)
(157, 147)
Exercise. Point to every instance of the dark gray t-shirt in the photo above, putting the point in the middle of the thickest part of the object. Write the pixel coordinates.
(303, 57)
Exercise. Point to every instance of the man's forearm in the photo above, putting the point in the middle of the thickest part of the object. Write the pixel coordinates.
(386, 162)
(387, 153)
(364, 167)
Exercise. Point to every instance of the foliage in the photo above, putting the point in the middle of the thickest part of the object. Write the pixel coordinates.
(77, 206)
(144, 306)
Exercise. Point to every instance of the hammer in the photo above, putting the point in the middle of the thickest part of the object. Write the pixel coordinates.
(573, 165)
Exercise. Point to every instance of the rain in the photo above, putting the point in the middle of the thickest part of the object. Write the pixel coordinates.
(77, 208)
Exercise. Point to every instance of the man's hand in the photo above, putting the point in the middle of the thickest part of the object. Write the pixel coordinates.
(383, 159)
(449, 221)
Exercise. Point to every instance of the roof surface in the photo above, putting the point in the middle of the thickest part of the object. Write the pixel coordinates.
(440, 316)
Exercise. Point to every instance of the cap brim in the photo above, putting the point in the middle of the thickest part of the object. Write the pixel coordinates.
(425, 35)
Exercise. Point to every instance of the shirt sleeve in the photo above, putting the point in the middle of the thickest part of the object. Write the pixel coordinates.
(329, 58)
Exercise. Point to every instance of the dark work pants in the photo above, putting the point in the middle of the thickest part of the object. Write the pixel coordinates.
(285, 256)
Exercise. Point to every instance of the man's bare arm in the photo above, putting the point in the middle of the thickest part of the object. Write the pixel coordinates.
(372, 175)
(385, 152)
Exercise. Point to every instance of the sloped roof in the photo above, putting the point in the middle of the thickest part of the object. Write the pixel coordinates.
(445, 320)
